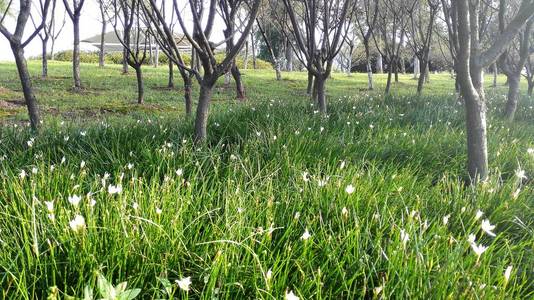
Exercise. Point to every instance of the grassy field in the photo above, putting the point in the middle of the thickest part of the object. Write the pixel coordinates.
(367, 203)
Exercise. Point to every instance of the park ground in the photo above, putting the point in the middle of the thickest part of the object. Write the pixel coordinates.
(371, 202)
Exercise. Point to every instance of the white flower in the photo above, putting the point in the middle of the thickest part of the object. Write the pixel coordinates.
(479, 214)
(158, 210)
(479, 249)
(82, 164)
(77, 224)
(74, 200)
(258, 133)
(130, 166)
(297, 215)
(344, 212)
(349, 189)
(530, 151)
(184, 283)
(377, 290)
(520, 174)
(49, 206)
(114, 189)
(342, 165)
(507, 273)
(233, 157)
(446, 219)
(291, 296)
(22, 174)
(179, 172)
(487, 227)
(83, 133)
(306, 235)
(322, 182)
(34, 170)
(269, 275)
(135, 205)
(240, 210)
(405, 237)
(471, 238)
(305, 177)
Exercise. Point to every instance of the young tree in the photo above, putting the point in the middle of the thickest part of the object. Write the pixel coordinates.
(318, 31)
(368, 11)
(45, 35)
(271, 35)
(17, 44)
(204, 48)
(74, 13)
(471, 59)
(103, 7)
(420, 28)
(55, 32)
(127, 14)
(513, 59)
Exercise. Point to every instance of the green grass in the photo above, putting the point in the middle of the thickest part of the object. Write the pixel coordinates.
(271, 169)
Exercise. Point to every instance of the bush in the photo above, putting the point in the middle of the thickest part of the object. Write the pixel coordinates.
(116, 58)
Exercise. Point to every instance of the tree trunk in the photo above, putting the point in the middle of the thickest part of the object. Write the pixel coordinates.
(309, 88)
(277, 70)
(513, 95)
(44, 59)
(52, 53)
(101, 56)
(530, 88)
(201, 121)
(495, 74)
(369, 74)
(156, 57)
(25, 81)
(403, 65)
(390, 73)
(314, 90)
(239, 86)
(289, 57)
(245, 61)
(321, 93)
(427, 71)
(416, 67)
(76, 54)
(422, 78)
(170, 84)
(188, 84)
(396, 70)
(140, 86)
(126, 40)
(379, 64)
(253, 47)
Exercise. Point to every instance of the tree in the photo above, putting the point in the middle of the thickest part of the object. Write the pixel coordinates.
(17, 44)
(471, 59)
(318, 32)
(271, 35)
(45, 34)
(127, 14)
(103, 7)
(204, 49)
(513, 59)
(420, 28)
(74, 13)
(55, 32)
(369, 10)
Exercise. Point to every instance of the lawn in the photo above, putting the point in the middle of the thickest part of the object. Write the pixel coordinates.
(370, 202)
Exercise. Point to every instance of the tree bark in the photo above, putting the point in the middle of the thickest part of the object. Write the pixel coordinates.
(530, 88)
(513, 96)
(321, 93)
(245, 60)
(76, 54)
(44, 59)
(495, 74)
(309, 88)
(188, 84)
(240, 88)
(140, 86)
(201, 121)
(170, 84)
(369, 74)
(379, 64)
(25, 81)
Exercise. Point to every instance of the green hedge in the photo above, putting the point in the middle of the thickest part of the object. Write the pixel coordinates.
(116, 58)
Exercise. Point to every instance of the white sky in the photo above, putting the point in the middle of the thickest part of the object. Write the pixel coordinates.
(89, 26)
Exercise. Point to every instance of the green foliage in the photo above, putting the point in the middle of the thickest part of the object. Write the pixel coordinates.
(231, 213)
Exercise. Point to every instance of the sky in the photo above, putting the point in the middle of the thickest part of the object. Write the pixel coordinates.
(89, 26)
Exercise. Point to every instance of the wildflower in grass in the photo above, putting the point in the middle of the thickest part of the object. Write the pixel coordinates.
(158, 210)
(520, 174)
(515, 194)
(130, 166)
(135, 205)
(530, 151)
(404, 236)
(233, 157)
(349, 189)
(30, 142)
(306, 235)
(269, 275)
(63, 160)
(305, 177)
(342, 165)
(291, 296)
(297, 215)
(74, 200)
(471, 238)
(49, 206)
(377, 290)
(184, 283)
(22, 174)
(66, 138)
(179, 172)
(487, 227)
(114, 189)
(507, 273)
(240, 210)
(345, 212)
(478, 249)
(479, 214)
(77, 224)
(322, 182)
(258, 133)
(446, 219)
(83, 133)
(34, 170)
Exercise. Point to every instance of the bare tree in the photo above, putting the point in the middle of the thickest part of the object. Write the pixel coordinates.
(420, 29)
(127, 14)
(103, 7)
(513, 59)
(74, 14)
(318, 31)
(368, 10)
(471, 59)
(17, 44)
(204, 49)
(45, 34)
(266, 26)
(55, 32)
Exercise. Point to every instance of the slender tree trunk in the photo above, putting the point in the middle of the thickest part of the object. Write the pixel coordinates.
(495, 74)
(25, 81)
(427, 71)
(245, 60)
(315, 91)
(513, 95)
(396, 70)
(76, 54)
(253, 47)
(289, 57)
(416, 67)
(239, 86)
(321, 93)
(379, 64)
(52, 53)
(156, 56)
(44, 59)
(403, 65)
(188, 88)
(530, 88)
(369, 67)
(277, 69)
(201, 121)
(390, 73)
(140, 86)
(126, 40)
(101, 55)
(309, 88)
(170, 84)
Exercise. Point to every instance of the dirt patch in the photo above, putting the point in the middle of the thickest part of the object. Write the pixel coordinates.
(11, 104)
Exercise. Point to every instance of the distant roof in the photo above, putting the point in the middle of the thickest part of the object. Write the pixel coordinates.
(113, 43)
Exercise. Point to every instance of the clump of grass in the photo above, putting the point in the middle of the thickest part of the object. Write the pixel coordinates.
(369, 202)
